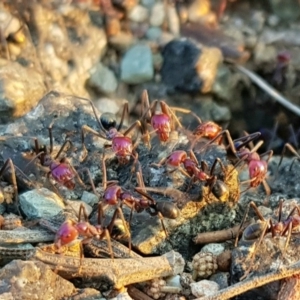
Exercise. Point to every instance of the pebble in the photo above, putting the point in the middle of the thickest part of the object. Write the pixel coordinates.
(148, 3)
(137, 65)
(75, 206)
(204, 288)
(178, 69)
(157, 15)
(138, 14)
(89, 198)
(21, 89)
(40, 203)
(221, 278)
(213, 248)
(153, 33)
(103, 79)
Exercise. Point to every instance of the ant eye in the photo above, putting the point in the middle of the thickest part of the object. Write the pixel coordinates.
(108, 120)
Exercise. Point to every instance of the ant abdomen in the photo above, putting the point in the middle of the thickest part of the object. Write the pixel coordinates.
(220, 190)
(108, 120)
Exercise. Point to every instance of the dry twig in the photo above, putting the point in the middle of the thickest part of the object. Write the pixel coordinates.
(254, 283)
(220, 235)
(118, 272)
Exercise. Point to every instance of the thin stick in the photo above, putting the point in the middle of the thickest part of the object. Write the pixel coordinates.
(220, 235)
(254, 283)
(270, 90)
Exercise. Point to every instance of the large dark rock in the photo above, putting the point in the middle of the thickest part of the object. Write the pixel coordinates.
(178, 70)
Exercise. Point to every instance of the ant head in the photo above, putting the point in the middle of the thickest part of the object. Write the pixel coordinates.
(46, 159)
(108, 120)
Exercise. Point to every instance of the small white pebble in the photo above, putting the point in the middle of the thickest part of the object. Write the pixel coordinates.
(204, 288)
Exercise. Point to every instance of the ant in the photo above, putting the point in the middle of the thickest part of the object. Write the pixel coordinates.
(260, 229)
(70, 230)
(8, 164)
(163, 122)
(289, 147)
(192, 170)
(114, 194)
(258, 167)
(60, 170)
(121, 144)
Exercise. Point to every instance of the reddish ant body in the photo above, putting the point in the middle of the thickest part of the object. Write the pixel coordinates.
(121, 144)
(60, 170)
(163, 122)
(114, 195)
(191, 169)
(70, 230)
(258, 167)
(257, 231)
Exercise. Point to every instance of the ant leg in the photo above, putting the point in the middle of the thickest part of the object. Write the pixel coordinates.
(90, 180)
(266, 187)
(106, 232)
(280, 210)
(82, 211)
(62, 148)
(286, 147)
(288, 238)
(193, 156)
(256, 210)
(269, 154)
(94, 111)
(294, 137)
(145, 118)
(218, 160)
(241, 225)
(186, 111)
(65, 160)
(88, 129)
(51, 136)
(168, 111)
(124, 112)
(119, 213)
(132, 126)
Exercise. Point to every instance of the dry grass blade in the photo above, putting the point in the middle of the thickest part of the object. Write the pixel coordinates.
(270, 90)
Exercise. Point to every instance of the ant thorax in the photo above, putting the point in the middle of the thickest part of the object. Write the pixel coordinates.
(112, 133)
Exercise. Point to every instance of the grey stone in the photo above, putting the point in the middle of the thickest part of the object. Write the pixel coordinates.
(138, 14)
(287, 10)
(158, 14)
(213, 248)
(40, 203)
(221, 278)
(137, 65)
(33, 280)
(103, 79)
(20, 89)
(89, 198)
(179, 66)
(153, 33)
